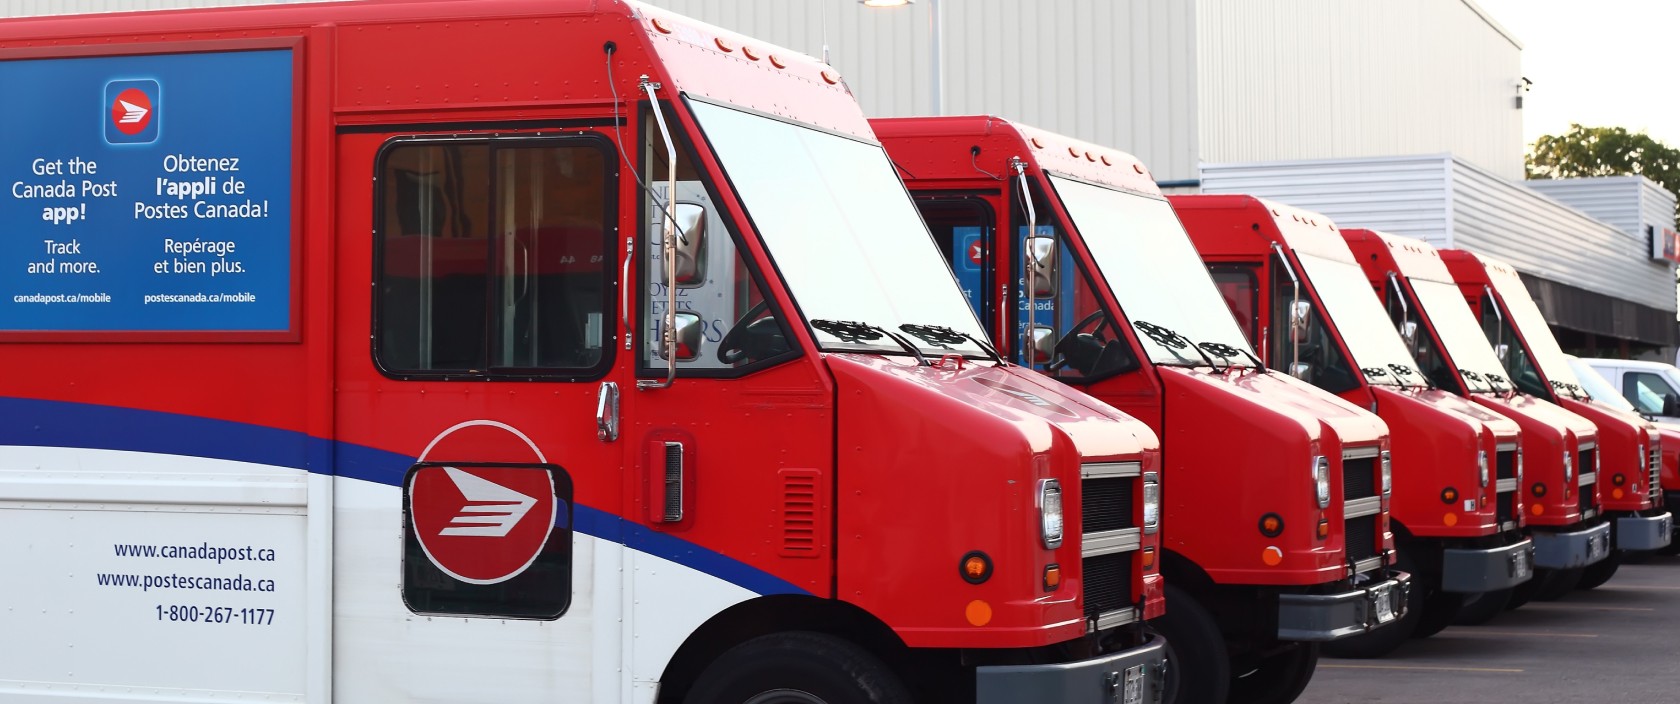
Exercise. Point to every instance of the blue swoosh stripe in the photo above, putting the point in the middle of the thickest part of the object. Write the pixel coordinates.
(40, 423)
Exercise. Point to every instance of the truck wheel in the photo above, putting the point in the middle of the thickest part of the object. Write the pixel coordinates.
(798, 668)
(1439, 610)
(1596, 574)
(1198, 665)
(1277, 679)
(1557, 583)
(1481, 608)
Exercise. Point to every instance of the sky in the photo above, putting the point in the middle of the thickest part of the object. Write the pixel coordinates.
(1601, 63)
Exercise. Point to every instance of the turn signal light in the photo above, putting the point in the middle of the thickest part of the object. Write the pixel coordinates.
(976, 567)
(1271, 525)
(1538, 490)
(1618, 479)
(1148, 559)
(1052, 578)
(1449, 495)
(1323, 529)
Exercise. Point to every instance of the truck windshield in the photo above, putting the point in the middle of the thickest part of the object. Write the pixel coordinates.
(1347, 298)
(1450, 316)
(1147, 259)
(844, 235)
(1536, 334)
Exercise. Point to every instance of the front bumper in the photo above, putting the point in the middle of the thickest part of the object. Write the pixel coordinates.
(1322, 617)
(1568, 550)
(1134, 676)
(1635, 532)
(1473, 571)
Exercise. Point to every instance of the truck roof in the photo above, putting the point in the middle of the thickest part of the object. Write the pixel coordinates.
(1046, 150)
(1302, 230)
(405, 70)
(1412, 257)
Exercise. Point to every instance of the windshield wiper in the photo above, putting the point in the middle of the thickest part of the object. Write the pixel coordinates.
(941, 336)
(1402, 372)
(853, 332)
(1170, 339)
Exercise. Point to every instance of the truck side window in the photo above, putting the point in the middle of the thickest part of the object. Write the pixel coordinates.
(492, 257)
(1239, 284)
(739, 329)
(962, 228)
(1425, 351)
(1082, 335)
(1326, 366)
(1499, 332)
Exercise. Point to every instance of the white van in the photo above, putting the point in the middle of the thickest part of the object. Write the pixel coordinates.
(1652, 387)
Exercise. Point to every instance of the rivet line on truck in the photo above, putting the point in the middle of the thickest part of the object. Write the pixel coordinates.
(1275, 492)
(579, 352)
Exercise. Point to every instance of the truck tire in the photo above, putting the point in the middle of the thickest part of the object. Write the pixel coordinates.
(1481, 608)
(1596, 574)
(1439, 610)
(1277, 679)
(799, 667)
(1557, 583)
(1199, 666)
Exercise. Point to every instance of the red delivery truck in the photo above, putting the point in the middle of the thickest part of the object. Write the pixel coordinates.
(519, 351)
(1297, 292)
(1279, 490)
(1630, 447)
(1560, 448)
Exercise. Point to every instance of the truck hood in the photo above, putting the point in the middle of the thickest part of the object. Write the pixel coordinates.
(1503, 429)
(1550, 413)
(1349, 423)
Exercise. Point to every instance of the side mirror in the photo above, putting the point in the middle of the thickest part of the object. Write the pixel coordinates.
(1409, 333)
(691, 245)
(1300, 370)
(686, 327)
(1502, 351)
(1043, 344)
(1041, 266)
(1300, 314)
(1671, 405)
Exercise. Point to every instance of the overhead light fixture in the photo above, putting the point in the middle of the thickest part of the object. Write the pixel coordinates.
(885, 3)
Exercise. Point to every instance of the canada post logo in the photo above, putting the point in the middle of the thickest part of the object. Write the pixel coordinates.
(131, 111)
(482, 525)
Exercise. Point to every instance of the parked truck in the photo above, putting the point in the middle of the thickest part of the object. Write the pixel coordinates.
(1280, 491)
(1630, 452)
(1296, 291)
(1560, 448)
(520, 351)
(1616, 383)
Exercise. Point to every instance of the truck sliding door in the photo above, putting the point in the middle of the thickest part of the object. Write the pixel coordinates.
(477, 547)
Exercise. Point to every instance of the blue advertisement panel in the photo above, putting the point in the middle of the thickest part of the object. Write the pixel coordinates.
(966, 258)
(147, 193)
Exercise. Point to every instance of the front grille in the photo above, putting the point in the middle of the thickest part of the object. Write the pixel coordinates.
(1505, 464)
(1108, 583)
(1655, 489)
(1359, 478)
(1585, 494)
(1107, 503)
(1505, 506)
(1362, 537)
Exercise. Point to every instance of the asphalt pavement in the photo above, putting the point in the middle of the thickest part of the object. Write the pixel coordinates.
(1617, 643)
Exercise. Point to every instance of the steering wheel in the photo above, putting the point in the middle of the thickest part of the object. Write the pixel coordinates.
(730, 350)
(1065, 347)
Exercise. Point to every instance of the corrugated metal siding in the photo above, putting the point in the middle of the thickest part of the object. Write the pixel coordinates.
(1121, 74)
(1615, 200)
(21, 8)
(1543, 237)
(1401, 195)
(1318, 79)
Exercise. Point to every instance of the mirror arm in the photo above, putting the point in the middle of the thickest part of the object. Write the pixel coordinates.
(1499, 333)
(668, 246)
(1028, 265)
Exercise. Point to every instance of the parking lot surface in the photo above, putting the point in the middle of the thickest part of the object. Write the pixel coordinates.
(1616, 643)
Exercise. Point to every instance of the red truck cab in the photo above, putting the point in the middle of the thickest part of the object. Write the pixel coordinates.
(1278, 489)
(1296, 290)
(603, 357)
(1559, 447)
(1629, 454)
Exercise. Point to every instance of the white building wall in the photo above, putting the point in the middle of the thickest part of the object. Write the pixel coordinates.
(1615, 200)
(1324, 79)
(1399, 195)
(1120, 74)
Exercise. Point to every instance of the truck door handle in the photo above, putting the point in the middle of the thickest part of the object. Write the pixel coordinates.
(606, 412)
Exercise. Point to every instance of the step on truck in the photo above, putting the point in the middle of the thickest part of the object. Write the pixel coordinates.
(1297, 292)
(1559, 448)
(1278, 489)
(1630, 448)
(518, 351)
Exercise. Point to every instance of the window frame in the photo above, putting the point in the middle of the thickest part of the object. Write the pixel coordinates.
(1252, 326)
(680, 125)
(610, 334)
(978, 202)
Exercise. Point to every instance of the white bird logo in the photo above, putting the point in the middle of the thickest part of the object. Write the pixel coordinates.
(132, 114)
(492, 510)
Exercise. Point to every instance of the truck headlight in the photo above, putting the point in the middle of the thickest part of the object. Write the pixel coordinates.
(1387, 473)
(1519, 464)
(1482, 467)
(1644, 457)
(1050, 513)
(1321, 480)
(1151, 502)
(1568, 467)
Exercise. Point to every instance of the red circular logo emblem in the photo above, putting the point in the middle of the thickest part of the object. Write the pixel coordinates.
(131, 112)
(482, 525)
(976, 252)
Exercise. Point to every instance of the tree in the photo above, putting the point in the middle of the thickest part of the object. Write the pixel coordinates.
(1605, 151)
